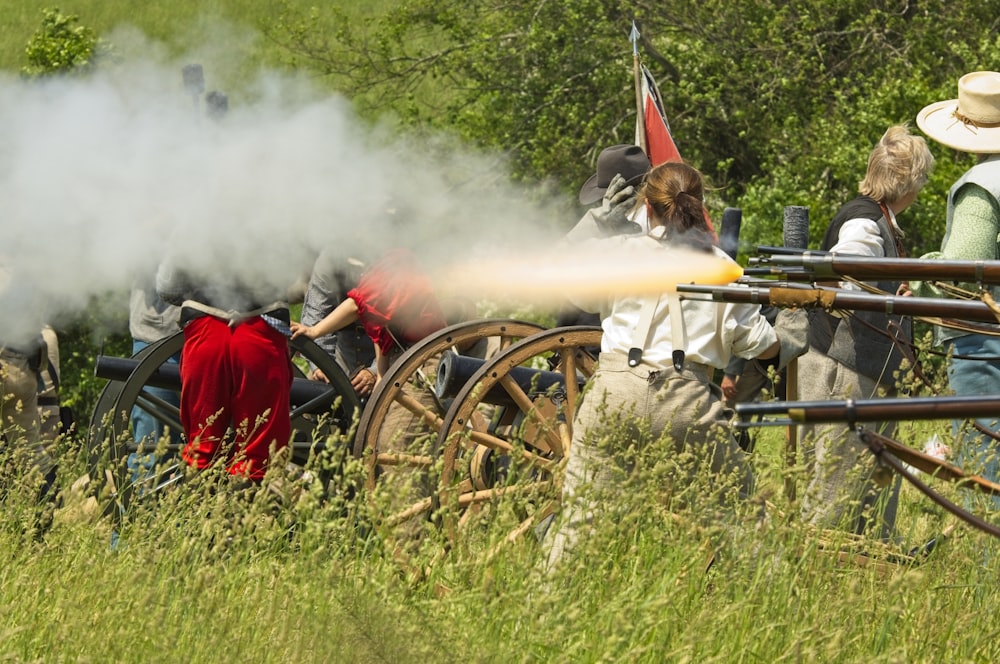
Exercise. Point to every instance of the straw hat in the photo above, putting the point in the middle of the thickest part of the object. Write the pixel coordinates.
(970, 123)
(628, 160)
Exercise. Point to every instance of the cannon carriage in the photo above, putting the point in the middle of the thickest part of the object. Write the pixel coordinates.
(478, 412)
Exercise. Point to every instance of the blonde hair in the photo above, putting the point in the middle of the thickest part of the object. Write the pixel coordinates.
(898, 166)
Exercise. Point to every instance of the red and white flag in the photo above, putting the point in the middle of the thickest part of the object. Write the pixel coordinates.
(652, 126)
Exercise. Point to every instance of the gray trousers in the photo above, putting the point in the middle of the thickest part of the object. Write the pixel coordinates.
(841, 490)
(625, 410)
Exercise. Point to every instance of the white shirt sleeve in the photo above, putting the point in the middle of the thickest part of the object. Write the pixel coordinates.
(858, 237)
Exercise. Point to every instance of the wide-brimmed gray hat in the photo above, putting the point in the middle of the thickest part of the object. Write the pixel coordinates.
(970, 123)
(628, 160)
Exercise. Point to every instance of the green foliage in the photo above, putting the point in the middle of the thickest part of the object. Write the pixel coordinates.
(62, 46)
(79, 347)
(778, 103)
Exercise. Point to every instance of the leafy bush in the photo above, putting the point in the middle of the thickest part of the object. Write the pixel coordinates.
(62, 46)
(777, 102)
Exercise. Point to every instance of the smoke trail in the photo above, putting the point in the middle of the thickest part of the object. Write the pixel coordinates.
(102, 177)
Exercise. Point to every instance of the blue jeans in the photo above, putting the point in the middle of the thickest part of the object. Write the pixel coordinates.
(977, 452)
(145, 428)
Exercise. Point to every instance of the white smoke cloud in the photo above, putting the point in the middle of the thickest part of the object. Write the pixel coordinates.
(101, 177)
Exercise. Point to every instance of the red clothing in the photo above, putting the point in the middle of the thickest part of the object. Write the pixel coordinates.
(396, 302)
(239, 376)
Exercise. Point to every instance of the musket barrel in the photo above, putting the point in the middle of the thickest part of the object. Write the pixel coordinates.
(824, 265)
(790, 251)
(877, 410)
(834, 298)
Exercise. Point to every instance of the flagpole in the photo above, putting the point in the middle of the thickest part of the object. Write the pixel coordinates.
(639, 107)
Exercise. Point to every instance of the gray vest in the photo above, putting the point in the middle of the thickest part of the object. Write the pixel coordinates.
(860, 341)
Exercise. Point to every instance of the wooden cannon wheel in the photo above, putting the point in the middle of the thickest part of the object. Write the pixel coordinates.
(518, 452)
(397, 432)
(316, 410)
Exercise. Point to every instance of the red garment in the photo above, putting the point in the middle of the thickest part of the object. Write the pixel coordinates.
(395, 298)
(238, 375)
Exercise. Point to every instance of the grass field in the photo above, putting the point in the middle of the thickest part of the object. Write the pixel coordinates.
(204, 575)
(172, 23)
(228, 32)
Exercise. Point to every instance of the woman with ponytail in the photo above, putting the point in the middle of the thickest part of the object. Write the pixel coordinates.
(653, 390)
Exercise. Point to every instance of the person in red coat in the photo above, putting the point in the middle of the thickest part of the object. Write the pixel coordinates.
(394, 302)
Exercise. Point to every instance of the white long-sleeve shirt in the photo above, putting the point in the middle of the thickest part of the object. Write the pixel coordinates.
(861, 237)
(714, 331)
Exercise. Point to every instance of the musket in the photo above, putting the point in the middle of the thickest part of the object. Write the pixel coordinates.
(853, 411)
(820, 266)
(891, 452)
(837, 298)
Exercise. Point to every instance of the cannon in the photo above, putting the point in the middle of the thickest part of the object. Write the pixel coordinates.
(489, 350)
(130, 377)
(455, 370)
(305, 393)
(455, 444)
(317, 411)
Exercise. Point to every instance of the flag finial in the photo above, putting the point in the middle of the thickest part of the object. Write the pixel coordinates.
(634, 38)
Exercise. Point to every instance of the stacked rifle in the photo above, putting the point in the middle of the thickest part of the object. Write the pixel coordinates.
(793, 277)
(786, 278)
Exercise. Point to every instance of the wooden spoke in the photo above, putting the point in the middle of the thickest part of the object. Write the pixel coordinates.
(398, 429)
(528, 440)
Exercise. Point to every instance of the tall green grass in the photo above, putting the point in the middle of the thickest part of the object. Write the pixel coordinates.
(210, 575)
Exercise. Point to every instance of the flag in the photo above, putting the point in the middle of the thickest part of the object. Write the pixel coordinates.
(652, 126)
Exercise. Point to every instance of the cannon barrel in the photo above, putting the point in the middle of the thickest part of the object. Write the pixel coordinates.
(169, 376)
(455, 370)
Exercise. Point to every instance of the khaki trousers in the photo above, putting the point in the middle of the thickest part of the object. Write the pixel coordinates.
(19, 412)
(627, 407)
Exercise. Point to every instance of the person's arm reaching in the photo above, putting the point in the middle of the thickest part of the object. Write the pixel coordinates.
(345, 314)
